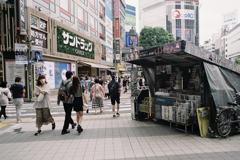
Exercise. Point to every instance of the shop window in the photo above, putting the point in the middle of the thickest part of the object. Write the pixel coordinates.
(93, 25)
(82, 18)
(49, 4)
(67, 10)
(102, 31)
(101, 11)
(93, 6)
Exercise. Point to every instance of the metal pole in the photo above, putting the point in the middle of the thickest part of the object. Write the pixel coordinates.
(114, 35)
(29, 70)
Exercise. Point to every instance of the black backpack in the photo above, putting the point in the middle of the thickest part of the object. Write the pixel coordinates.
(113, 89)
(140, 82)
(63, 93)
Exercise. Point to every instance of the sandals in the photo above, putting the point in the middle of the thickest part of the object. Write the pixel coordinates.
(53, 126)
(37, 133)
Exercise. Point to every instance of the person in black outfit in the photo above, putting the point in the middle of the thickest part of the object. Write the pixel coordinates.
(125, 85)
(115, 93)
(68, 105)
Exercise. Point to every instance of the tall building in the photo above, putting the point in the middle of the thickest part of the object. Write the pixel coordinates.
(70, 35)
(180, 18)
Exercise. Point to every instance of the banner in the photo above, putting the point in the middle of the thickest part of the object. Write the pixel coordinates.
(14, 70)
(37, 53)
(21, 54)
(130, 19)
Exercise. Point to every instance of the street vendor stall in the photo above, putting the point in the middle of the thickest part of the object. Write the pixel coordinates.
(183, 77)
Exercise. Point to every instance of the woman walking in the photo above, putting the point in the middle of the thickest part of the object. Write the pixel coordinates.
(18, 91)
(43, 104)
(106, 91)
(124, 85)
(5, 95)
(97, 95)
(77, 91)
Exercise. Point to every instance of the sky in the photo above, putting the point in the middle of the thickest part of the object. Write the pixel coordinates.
(210, 15)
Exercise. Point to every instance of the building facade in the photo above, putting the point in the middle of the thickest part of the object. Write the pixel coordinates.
(71, 36)
(180, 18)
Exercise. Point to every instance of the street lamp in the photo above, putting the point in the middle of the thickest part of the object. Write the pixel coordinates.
(28, 41)
(132, 34)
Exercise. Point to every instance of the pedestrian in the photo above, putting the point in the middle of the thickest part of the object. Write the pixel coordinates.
(97, 94)
(101, 81)
(125, 85)
(106, 91)
(18, 91)
(115, 93)
(5, 96)
(77, 91)
(43, 104)
(68, 105)
(86, 83)
(90, 84)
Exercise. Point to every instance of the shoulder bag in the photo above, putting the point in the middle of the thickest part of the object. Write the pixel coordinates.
(97, 95)
(85, 105)
(40, 97)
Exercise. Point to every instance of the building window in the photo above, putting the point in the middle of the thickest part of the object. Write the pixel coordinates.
(49, 4)
(102, 31)
(101, 11)
(226, 50)
(82, 18)
(94, 6)
(85, 2)
(103, 50)
(93, 25)
(67, 10)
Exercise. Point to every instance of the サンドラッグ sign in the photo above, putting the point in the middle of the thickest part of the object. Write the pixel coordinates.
(70, 43)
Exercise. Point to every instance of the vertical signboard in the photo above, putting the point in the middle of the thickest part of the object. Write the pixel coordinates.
(117, 5)
(130, 15)
(117, 51)
(117, 28)
(19, 14)
(21, 54)
(109, 35)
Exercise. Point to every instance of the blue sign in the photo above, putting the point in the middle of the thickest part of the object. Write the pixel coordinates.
(30, 61)
(39, 71)
(108, 6)
(39, 57)
(130, 10)
(129, 41)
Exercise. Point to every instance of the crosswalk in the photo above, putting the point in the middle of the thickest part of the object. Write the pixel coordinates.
(57, 111)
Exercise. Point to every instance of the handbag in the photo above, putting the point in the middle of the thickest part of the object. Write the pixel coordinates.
(40, 97)
(97, 95)
(85, 105)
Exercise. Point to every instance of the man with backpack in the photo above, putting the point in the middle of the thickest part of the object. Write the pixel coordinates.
(64, 96)
(115, 93)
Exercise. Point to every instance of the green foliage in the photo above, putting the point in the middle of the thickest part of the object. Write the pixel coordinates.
(69, 49)
(151, 37)
(237, 61)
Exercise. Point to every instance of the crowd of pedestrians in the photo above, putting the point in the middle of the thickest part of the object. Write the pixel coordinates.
(72, 95)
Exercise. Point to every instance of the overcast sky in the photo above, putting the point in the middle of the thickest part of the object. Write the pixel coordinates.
(210, 15)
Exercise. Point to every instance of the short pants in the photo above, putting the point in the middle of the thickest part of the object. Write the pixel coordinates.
(115, 98)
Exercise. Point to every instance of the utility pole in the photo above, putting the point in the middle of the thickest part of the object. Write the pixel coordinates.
(114, 36)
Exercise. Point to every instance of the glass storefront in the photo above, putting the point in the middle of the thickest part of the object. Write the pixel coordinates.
(182, 19)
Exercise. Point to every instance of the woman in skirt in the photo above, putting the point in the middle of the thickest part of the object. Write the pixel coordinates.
(97, 101)
(77, 91)
(43, 115)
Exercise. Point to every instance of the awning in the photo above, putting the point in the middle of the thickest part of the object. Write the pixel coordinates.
(95, 65)
(112, 70)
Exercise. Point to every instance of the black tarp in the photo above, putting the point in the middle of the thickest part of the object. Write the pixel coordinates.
(221, 88)
(233, 78)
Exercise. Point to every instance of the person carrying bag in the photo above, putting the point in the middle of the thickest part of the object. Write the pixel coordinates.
(77, 91)
(97, 95)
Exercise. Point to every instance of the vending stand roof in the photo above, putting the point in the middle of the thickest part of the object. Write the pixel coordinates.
(223, 75)
(183, 52)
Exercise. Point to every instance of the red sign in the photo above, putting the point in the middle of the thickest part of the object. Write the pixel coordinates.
(117, 30)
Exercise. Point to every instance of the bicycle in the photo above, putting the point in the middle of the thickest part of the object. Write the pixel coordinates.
(228, 118)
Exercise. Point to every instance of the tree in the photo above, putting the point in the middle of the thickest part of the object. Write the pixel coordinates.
(237, 61)
(152, 37)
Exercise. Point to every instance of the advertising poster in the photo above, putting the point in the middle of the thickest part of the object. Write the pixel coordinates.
(58, 74)
(172, 48)
(48, 71)
(73, 68)
(21, 54)
(36, 52)
(14, 70)
(184, 34)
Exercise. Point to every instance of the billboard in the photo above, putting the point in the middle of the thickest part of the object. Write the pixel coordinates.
(21, 54)
(129, 42)
(130, 15)
(183, 14)
(109, 35)
(230, 18)
(185, 34)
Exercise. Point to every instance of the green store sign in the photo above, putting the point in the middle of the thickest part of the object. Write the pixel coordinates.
(70, 43)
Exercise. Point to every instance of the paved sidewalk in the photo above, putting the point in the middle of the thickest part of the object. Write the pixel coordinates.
(111, 138)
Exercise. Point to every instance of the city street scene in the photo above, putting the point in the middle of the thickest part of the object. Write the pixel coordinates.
(119, 79)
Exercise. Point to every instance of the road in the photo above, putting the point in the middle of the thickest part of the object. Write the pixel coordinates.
(57, 111)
